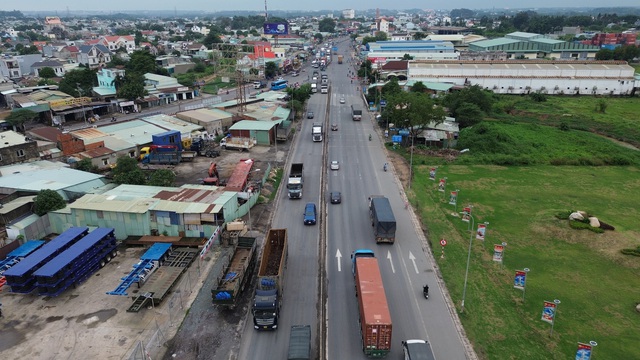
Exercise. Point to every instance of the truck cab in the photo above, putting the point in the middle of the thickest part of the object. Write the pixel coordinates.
(360, 253)
(417, 350)
(266, 309)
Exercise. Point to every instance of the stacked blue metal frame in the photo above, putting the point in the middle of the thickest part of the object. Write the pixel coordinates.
(20, 276)
(18, 254)
(77, 263)
(155, 253)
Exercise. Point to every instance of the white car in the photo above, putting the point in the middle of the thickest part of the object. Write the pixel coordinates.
(335, 165)
(341, 100)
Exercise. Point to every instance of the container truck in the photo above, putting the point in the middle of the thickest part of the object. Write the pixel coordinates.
(300, 343)
(382, 219)
(375, 319)
(267, 301)
(162, 155)
(317, 131)
(356, 113)
(295, 181)
(228, 291)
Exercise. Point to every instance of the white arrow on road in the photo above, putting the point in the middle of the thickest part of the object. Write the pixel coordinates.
(339, 257)
(391, 261)
(413, 260)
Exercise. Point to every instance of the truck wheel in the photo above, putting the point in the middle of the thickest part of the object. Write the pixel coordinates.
(102, 263)
(114, 253)
(108, 258)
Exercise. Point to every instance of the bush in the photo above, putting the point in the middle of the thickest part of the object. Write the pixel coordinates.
(632, 252)
(579, 225)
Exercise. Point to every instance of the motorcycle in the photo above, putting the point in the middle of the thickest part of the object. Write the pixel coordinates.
(369, 137)
(425, 292)
(385, 167)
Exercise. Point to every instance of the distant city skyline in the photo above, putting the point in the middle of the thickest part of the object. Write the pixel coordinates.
(114, 6)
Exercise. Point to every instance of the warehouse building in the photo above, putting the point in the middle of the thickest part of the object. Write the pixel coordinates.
(523, 77)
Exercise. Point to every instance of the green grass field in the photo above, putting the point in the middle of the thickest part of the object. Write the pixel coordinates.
(597, 285)
(620, 119)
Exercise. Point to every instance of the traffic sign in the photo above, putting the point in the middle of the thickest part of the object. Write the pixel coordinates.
(443, 242)
(383, 103)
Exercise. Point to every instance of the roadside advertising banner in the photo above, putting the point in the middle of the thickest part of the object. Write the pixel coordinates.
(453, 198)
(497, 252)
(482, 228)
(520, 279)
(549, 312)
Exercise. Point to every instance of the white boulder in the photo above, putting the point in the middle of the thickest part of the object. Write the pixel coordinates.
(576, 216)
(594, 222)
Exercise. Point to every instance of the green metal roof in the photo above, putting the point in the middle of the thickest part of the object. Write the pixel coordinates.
(432, 85)
(253, 125)
(494, 42)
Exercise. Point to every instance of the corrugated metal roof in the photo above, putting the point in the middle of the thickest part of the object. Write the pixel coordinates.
(494, 42)
(132, 192)
(35, 178)
(98, 202)
(183, 207)
(11, 138)
(16, 203)
(253, 125)
(172, 123)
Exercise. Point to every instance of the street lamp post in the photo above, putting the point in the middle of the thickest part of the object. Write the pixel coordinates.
(466, 274)
(411, 161)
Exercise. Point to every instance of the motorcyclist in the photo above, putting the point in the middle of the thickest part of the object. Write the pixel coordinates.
(425, 290)
(369, 137)
(385, 166)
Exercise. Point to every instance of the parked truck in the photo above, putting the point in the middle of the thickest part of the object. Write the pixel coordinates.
(356, 113)
(267, 301)
(204, 147)
(340, 58)
(283, 130)
(237, 143)
(382, 219)
(295, 181)
(317, 131)
(236, 275)
(417, 350)
(375, 319)
(300, 343)
(161, 155)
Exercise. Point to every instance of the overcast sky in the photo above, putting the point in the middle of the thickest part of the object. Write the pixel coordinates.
(258, 5)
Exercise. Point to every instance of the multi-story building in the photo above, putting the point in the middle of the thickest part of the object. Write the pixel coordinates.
(94, 55)
(15, 67)
(349, 14)
(106, 88)
(16, 148)
(57, 67)
(52, 22)
(113, 43)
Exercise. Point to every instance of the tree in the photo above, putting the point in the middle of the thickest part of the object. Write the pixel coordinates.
(162, 177)
(469, 115)
(78, 82)
(318, 37)
(419, 35)
(26, 50)
(128, 172)
(47, 72)
(133, 86)
(419, 87)
(391, 88)
(18, 117)
(470, 95)
(412, 111)
(142, 62)
(47, 200)
(407, 57)
(212, 38)
(270, 69)
(366, 71)
(327, 25)
(86, 165)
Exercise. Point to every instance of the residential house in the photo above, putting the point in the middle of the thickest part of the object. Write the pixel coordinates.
(16, 148)
(68, 52)
(106, 88)
(57, 67)
(52, 22)
(94, 55)
(113, 43)
(401, 37)
(15, 67)
(194, 48)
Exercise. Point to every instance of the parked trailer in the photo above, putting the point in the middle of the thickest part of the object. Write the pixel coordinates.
(238, 143)
(375, 319)
(237, 274)
(149, 262)
(16, 256)
(20, 277)
(77, 263)
(266, 304)
(382, 219)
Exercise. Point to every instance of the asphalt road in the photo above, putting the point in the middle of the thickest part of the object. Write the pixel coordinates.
(301, 302)
(405, 266)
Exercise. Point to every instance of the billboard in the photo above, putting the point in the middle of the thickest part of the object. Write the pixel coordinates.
(276, 29)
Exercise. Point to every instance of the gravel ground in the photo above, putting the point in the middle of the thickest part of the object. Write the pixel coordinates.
(210, 332)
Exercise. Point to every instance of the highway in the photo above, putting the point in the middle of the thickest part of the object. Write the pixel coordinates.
(404, 265)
